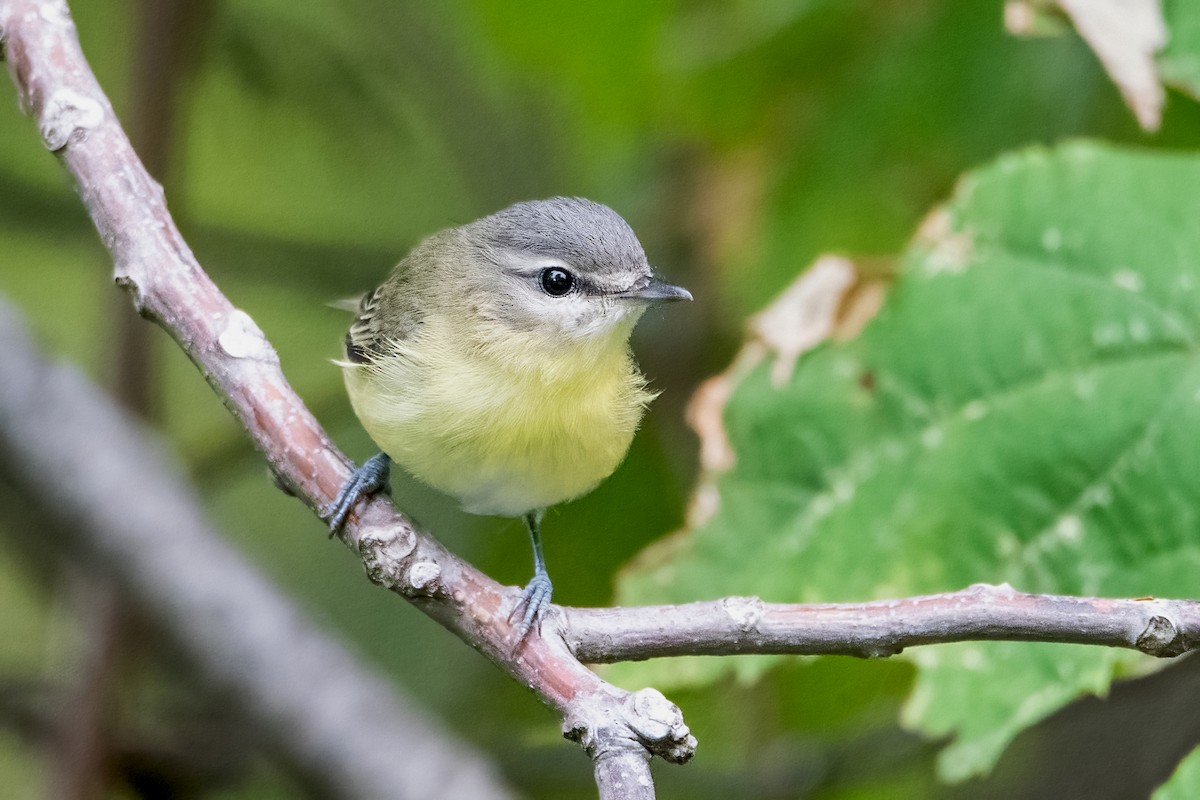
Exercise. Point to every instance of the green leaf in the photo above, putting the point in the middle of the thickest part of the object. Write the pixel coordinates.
(1023, 409)
(1179, 62)
(1184, 783)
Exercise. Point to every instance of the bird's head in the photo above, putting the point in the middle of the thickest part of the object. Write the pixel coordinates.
(563, 267)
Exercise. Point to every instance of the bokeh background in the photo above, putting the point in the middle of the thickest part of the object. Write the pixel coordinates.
(306, 146)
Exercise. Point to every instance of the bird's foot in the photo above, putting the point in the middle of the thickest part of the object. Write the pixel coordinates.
(532, 605)
(365, 481)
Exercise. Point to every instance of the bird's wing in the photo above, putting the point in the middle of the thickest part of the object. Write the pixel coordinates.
(388, 314)
(363, 340)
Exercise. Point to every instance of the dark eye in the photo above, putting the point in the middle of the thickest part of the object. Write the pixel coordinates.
(556, 281)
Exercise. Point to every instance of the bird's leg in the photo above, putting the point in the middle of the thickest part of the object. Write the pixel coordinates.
(365, 481)
(536, 595)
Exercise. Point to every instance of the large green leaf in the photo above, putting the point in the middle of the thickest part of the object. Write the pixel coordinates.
(1024, 408)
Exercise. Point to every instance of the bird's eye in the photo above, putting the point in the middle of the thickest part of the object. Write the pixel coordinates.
(556, 281)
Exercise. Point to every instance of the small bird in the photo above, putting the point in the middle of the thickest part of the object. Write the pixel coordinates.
(493, 364)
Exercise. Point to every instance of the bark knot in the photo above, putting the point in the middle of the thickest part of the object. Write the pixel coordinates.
(383, 551)
(1161, 638)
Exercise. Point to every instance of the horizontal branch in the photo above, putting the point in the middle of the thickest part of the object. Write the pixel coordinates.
(1156, 627)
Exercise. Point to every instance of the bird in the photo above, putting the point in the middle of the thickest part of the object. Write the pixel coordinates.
(494, 365)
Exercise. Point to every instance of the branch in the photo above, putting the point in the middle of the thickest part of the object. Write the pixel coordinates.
(1163, 628)
(154, 264)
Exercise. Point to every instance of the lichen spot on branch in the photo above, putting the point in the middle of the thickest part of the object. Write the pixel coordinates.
(67, 116)
(56, 13)
(745, 612)
(242, 338)
(423, 577)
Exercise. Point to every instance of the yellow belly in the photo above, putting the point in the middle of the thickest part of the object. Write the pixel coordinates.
(503, 435)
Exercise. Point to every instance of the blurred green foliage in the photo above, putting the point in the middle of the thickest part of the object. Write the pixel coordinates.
(317, 142)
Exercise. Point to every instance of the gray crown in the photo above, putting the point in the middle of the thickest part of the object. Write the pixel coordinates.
(590, 236)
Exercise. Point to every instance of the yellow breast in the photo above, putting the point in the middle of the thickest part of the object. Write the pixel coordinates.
(508, 427)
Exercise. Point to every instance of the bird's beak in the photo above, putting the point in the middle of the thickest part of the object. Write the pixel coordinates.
(657, 291)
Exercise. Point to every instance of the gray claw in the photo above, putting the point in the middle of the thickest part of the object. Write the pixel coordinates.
(365, 481)
(535, 599)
